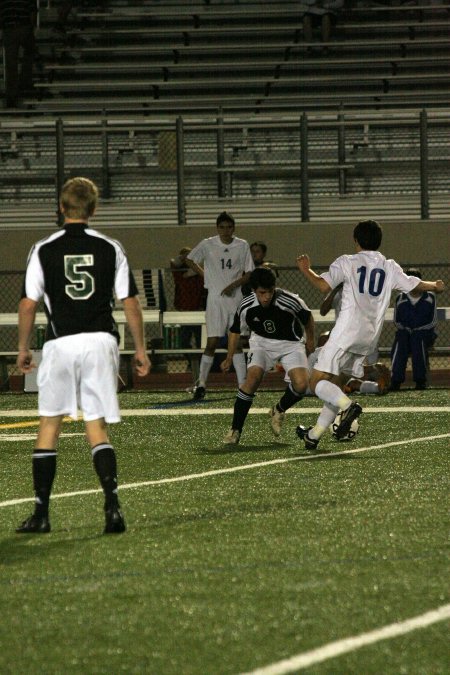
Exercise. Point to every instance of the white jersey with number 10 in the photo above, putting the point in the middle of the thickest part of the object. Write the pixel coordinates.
(369, 279)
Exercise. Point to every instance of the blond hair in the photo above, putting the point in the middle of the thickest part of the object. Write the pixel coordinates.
(79, 197)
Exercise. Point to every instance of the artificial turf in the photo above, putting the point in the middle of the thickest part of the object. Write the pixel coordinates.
(225, 572)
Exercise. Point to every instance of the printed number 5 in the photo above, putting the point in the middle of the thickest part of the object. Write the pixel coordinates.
(376, 280)
(83, 283)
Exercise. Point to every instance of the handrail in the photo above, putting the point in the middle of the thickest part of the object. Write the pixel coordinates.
(421, 120)
(324, 119)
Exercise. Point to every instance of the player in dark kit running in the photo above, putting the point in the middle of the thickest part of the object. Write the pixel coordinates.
(275, 318)
(77, 271)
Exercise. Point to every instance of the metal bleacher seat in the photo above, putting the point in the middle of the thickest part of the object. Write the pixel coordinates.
(246, 57)
(152, 61)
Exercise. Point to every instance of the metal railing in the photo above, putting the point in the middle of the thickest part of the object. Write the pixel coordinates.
(336, 155)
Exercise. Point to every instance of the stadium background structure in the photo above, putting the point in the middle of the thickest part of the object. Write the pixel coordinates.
(199, 107)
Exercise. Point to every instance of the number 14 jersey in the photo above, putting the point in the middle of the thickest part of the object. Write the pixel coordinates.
(369, 279)
(222, 263)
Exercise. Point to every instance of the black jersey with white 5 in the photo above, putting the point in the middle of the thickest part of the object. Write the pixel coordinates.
(78, 271)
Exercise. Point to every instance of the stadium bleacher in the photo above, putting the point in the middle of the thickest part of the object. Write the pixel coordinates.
(244, 57)
(112, 72)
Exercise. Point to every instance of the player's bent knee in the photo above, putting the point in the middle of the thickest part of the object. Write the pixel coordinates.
(253, 379)
(299, 386)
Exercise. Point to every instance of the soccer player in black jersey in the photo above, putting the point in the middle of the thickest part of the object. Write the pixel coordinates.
(77, 271)
(274, 318)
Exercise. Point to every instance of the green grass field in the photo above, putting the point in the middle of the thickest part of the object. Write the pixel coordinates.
(234, 559)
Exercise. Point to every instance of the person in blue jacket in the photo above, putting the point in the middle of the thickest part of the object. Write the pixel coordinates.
(415, 319)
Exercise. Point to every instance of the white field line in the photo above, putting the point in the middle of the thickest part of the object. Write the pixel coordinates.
(232, 469)
(30, 437)
(333, 649)
(163, 412)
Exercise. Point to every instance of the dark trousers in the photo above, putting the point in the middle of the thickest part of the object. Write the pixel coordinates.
(186, 335)
(18, 69)
(189, 332)
(416, 345)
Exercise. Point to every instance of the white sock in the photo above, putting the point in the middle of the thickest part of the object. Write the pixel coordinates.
(205, 366)
(369, 387)
(326, 417)
(330, 393)
(240, 367)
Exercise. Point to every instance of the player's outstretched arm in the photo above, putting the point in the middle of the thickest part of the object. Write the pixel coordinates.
(27, 315)
(304, 265)
(133, 313)
(433, 286)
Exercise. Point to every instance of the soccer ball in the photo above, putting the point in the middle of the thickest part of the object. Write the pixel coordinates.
(352, 431)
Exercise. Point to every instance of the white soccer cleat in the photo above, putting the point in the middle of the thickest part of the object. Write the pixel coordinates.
(276, 420)
(232, 437)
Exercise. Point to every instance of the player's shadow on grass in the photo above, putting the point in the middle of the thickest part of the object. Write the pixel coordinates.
(17, 549)
(230, 512)
(231, 449)
(189, 403)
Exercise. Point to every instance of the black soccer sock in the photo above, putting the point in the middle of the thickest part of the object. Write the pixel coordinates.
(105, 464)
(44, 470)
(242, 405)
(289, 398)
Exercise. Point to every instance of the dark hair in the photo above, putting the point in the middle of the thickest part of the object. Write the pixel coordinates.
(224, 217)
(368, 234)
(262, 277)
(413, 272)
(261, 245)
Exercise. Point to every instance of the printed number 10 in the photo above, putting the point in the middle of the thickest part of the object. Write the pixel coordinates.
(376, 280)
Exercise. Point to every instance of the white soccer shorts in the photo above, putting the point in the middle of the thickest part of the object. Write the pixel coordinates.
(220, 311)
(265, 353)
(332, 359)
(80, 371)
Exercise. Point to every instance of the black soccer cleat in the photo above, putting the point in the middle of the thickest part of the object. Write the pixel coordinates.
(347, 417)
(310, 443)
(114, 522)
(34, 525)
(199, 393)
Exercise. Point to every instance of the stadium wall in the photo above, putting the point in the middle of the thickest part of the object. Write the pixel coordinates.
(408, 242)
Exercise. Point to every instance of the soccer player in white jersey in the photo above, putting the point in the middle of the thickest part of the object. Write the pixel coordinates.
(77, 271)
(368, 280)
(275, 318)
(376, 380)
(225, 262)
(376, 376)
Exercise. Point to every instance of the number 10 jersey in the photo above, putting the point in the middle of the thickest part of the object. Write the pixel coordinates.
(369, 279)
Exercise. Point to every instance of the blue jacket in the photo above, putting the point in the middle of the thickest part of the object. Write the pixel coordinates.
(413, 317)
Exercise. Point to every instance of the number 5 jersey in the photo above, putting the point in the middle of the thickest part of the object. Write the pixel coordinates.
(78, 271)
